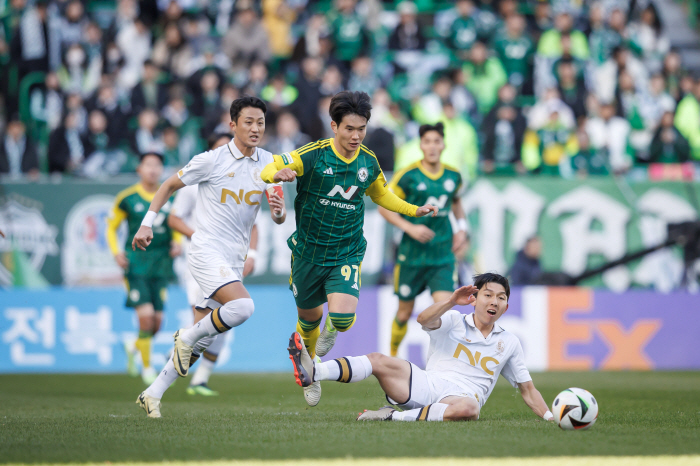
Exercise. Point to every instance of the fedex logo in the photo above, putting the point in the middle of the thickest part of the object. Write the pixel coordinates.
(346, 194)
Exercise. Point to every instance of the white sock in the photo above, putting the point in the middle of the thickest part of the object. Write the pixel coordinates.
(203, 345)
(203, 372)
(217, 345)
(349, 369)
(164, 380)
(232, 314)
(433, 412)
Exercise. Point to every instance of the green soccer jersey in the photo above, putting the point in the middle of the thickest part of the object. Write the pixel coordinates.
(131, 206)
(329, 205)
(516, 56)
(418, 186)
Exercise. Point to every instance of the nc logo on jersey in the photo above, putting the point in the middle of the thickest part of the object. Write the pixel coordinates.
(362, 174)
(475, 359)
(439, 202)
(240, 197)
(347, 195)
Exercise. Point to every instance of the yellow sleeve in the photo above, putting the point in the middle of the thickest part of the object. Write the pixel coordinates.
(177, 237)
(395, 188)
(287, 160)
(382, 196)
(116, 217)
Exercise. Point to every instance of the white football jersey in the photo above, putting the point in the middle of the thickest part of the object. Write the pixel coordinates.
(185, 204)
(460, 354)
(228, 200)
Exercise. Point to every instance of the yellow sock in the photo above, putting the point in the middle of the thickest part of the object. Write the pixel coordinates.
(309, 331)
(398, 332)
(143, 345)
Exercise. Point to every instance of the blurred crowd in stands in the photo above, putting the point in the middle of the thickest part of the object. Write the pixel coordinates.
(569, 88)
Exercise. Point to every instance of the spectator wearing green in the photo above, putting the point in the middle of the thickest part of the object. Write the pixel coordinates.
(483, 76)
(461, 145)
(603, 38)
(463, 30)
(549, 147)
(278, 93)
(688, 119)
(550, 46)
(348, 31)
(668, 144)
(515, 49)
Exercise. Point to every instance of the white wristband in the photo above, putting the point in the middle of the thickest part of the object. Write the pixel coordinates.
(148, 219)
(252, 254)
(462, 224)
(280, 215)
(547, 416)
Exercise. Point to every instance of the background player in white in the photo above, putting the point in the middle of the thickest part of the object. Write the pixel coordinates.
(228, 200)
(467, 353)
(182, 219)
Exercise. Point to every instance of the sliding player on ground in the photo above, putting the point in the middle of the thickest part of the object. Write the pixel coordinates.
(146, 275)
(328, 245)
(467, 354)
(426, 255)
(229, 195)
(182, 219)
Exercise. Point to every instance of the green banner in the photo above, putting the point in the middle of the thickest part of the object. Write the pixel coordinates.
(59, 227)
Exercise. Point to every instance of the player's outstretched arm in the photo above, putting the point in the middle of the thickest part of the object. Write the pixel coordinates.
(534, 400)
(285, 168)
(143, 237)
(430, 317)
(178, 224)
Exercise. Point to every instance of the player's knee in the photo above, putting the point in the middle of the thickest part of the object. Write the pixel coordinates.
(343, 322)
(380, 362)
(244, 308)
(462, 412)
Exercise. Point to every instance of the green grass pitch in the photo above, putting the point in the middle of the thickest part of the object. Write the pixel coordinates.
(81, 418)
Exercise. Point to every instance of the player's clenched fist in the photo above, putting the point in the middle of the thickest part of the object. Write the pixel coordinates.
(286, 174)
(142, 238)
(426, 209)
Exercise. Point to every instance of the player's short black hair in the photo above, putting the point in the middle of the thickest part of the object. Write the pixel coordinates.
(157, 154)
(437, 127)
(350, 103)
(243, 102)
(211, 140)
(490, 277)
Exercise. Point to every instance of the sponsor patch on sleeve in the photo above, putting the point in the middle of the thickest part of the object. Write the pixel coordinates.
(288, 160)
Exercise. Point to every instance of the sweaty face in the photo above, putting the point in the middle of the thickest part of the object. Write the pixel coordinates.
(432, 145)
(250, 126)
(491, 302)
(350, 132)
(150, 169)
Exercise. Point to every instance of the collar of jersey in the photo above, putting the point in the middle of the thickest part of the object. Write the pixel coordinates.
(469, 319)
(141, 191)
(432, 176)
(348, 161)
(238, 155)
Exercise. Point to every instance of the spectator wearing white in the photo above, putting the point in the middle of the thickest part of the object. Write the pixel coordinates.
(145, 137)
(606, 75)
(647, 34)
(610, 133)
(134, 41)
(46, 104)
(550, 103)
(172, 52)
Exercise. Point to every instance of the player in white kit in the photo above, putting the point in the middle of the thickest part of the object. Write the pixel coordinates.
(228, 200)
(466, 355)
(182, 219)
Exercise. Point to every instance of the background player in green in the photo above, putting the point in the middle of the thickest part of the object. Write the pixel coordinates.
(328, 245)
(146, 273)
(426, 255)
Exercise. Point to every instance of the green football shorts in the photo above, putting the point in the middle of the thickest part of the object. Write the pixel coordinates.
(311, 283)
(410, 281)
(142, 290)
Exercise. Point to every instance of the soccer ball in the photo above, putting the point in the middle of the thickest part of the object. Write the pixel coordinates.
(575, 409)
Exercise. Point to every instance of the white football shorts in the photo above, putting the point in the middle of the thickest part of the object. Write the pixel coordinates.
(427, 388)
(211, 274)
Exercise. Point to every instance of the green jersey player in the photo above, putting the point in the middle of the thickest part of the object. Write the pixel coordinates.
(146, 275)
(426, 255)
(328, 245)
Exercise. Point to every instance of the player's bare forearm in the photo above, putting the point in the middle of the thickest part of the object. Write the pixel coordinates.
(166, 190)
(395, 219)
(457, 209)
(533, 398)
(253, 238)
(430, 318)
(179, 225)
